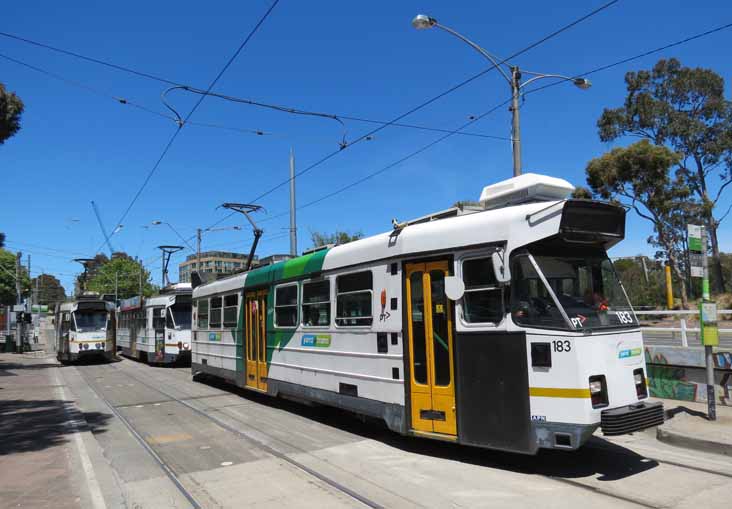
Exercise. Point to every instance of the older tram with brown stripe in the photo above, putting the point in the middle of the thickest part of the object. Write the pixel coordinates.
(501, 325)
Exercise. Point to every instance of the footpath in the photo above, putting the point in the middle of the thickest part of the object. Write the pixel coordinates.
(687, 426)
(43, 458)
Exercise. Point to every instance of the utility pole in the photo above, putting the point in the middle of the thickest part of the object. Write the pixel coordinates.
(116, 286)
(198, 249)
(697, 241)
(19, 300)
(708, 349)
(293, 222)
(515, 124)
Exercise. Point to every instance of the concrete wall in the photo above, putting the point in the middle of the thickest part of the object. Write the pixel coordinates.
(679, 373)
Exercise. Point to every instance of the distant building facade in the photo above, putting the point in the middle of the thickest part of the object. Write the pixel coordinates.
(213, 262)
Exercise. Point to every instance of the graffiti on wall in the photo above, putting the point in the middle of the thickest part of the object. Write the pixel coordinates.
(675, 378)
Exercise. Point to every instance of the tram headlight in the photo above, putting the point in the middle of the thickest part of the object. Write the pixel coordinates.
(641, 389)
(598, 391)
(186, 346)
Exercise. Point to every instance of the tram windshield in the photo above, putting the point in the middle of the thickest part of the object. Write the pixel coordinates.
(587, 293)
(179, 316)
(90, 321)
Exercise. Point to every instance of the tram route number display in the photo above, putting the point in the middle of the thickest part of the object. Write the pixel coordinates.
(562, 345)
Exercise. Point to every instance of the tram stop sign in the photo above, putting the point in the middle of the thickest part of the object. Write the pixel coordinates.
(695, 249)
(708, 323)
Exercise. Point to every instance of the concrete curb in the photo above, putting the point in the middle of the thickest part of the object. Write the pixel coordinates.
(690, 442)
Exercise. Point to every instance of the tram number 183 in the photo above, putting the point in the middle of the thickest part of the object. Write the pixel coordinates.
(562, 346)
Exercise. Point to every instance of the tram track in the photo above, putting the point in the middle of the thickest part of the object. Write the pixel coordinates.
(231, 429)
(160, 462)
(366, 501)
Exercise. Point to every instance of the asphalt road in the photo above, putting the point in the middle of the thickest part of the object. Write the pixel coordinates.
(167, 441)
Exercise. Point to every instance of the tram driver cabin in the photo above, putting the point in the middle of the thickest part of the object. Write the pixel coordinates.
(500, 326)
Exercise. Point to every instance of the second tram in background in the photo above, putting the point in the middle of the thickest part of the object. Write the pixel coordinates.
(156, 329)
(85, 329)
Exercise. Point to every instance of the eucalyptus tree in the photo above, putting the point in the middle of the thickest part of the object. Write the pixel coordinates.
(639, 177)
(685, 109)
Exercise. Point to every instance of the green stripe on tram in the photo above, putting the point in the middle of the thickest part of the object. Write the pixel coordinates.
(266, 277)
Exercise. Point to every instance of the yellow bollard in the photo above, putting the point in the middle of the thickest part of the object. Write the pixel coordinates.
(669, 289)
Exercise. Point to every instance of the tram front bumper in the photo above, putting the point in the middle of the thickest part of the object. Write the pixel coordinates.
(630, 418)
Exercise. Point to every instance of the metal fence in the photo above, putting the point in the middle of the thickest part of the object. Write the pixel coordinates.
(683, 332)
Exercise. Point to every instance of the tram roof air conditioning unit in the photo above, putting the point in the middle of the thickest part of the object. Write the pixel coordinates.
(526, 188)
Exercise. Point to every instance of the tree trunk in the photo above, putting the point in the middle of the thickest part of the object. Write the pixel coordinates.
(717, 283)
(673, 263)
(717, 280)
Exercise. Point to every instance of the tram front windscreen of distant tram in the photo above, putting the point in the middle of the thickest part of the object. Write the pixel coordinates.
(584, 282)
(90, 321)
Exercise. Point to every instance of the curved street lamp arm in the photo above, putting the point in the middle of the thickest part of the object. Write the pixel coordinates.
(476, 48)
(540, 76)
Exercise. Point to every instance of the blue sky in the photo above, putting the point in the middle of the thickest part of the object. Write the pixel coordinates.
(345, 58)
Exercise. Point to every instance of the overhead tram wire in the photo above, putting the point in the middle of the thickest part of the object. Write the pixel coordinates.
(593, 71)
(639, 56)
(90, 59)
(90, 89)
(193, 110)
(429, 101)
(196, 90)
(393, 164)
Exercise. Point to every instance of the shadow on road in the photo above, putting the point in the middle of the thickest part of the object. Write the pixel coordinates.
(34, 425)
(599, 458)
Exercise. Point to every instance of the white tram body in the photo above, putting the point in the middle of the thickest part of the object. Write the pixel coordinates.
(502, 327)
(157, 329)
(85, 329)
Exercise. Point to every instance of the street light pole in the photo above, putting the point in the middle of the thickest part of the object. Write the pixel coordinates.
(423, 22)
(515, 124)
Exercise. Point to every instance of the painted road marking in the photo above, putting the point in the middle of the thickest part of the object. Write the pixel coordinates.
(227, 463)
(95, 491)
(166, 439)
(205, 447)
(139, 406)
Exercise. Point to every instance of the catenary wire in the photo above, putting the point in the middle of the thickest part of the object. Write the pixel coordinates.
(593, 71)
(90, 59)
(636, 57)
(427, 103)
(84, 86)
(192, 111)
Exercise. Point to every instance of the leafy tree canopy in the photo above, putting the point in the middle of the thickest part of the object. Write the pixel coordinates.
(11, 109)
(7, 278)
(127, 271)
(581, 193)
(2, 240)
(685, 109)
(639, 176)
(50, 290)
(338, 237)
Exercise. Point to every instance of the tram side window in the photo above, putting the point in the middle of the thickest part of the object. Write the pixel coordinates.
(158, 318)
(483, 297)
(353, 299)
(215, 317)
(316, 303)
(231, 304)
(203, 314)
(286, 306)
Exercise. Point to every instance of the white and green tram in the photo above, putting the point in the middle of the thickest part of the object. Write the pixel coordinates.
(85, 329)
(501, 326)
(156, 329)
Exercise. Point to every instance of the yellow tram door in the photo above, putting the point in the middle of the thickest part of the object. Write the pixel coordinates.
(256, 340)
(430, 349)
